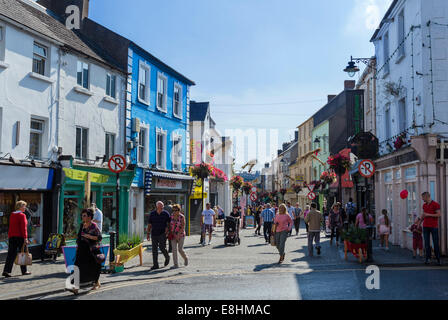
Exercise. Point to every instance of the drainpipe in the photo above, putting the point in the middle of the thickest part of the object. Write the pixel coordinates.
(58, 106)
(442, 187)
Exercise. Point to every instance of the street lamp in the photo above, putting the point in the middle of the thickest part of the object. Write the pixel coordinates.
(352, 69)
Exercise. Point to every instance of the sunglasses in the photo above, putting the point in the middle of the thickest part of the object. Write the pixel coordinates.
(84, 216)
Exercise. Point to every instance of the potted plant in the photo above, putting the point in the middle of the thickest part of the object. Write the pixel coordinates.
(328, 178)
(400, 141)
(339, 163)
(236, 183)
(247, 187)
(129, 248)
(355, 241)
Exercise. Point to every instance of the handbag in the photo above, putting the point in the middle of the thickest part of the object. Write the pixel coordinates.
(24, 258)
(272, 240)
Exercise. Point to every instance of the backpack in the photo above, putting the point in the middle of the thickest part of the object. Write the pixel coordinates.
(351, 209)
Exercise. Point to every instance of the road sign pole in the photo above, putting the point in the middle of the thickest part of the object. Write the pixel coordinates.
(118, 210)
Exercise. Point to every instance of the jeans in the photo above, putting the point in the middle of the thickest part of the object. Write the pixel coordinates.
(297, 225)
(267, 229)
(178, 245)
(315, 235)
(280, 240)
(435, 240)
(335, 233)
(159, 242)
(14, 246)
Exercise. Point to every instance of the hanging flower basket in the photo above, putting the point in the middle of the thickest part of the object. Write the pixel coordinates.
(236, 183)
(339, 163)
(202, 171)
(400, 142)
(283, 191)
(247, 186)
(218, 174)
(327, 178)
(274, 193)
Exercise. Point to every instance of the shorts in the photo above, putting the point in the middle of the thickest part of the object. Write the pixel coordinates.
(384, 230)
(417, 244)
(207, 228)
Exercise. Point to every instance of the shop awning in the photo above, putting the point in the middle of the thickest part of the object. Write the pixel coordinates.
(355, 168)
(171, 176)
(26, 178)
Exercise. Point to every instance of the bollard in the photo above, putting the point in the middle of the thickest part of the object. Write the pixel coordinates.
(112, 246)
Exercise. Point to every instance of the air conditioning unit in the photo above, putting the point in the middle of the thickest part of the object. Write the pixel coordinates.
(136, 125)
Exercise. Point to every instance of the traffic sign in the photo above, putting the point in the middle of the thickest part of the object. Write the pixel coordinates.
(254, 189)
(311, 196)
(253, 197)
(366, 168)
(117, 163)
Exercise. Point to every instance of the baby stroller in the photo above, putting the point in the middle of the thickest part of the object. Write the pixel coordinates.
(53, 247)
(231, 231)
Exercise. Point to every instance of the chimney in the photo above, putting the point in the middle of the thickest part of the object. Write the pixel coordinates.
(331, 97)
(349, 84)
(285, 146)
(296, 136)
(279, 152)
(59, 7)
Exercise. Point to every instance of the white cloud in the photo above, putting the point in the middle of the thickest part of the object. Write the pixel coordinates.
(366, 15)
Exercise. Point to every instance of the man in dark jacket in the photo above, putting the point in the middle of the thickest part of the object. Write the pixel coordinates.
(158, 227)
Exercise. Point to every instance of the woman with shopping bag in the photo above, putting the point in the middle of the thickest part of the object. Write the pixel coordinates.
(18, 239)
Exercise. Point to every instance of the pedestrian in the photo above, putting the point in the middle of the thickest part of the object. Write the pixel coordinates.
(297, 214)
(291, 213)
(350, 209)
(221, 216)
(88, 247)
(258, 220)
(417, 238)
(336, 222)
(169, 208)
(343, 212)
(177, 235)
(97, 217)
(158, 228)
(208, 222)
(236, 213)
(282, 227)
(430, 216)
(384, 229)
(305, 213)
(363, 219)
(267, 218)
(314, 219)
(17, 238)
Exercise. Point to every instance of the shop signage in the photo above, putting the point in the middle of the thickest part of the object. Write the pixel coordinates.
(253, 197)
(148, 183)
(168, 184)
(82, 176)
(311, 196)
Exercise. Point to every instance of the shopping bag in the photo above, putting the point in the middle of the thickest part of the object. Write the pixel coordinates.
(273, 241)
(24, 258)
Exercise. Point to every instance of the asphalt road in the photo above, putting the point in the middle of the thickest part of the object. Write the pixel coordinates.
(250, 272)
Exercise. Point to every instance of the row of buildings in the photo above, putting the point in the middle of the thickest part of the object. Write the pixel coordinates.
(70, 98)
(401, 99)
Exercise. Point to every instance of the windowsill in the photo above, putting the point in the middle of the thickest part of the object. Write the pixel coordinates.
(111, 100)
(40, 77)
(177, 117)
(83, 91)
(4, 65)
(162, 110)
(146, 103)
(400, 58)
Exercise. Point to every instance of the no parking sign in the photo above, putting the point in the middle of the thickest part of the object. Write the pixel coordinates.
(366, 168)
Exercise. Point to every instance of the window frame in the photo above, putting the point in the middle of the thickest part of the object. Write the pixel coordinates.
(176, 155)
(401, 31)
(111, 84)
(164, 78)
(143, 146)
(179, 115)
(164, 150)
(81, 146)
(44, 58)
(402, 115)
(83, 64)
(386, 53)
(40, 133)
(146, 99)
(108, 141)
(2, 42)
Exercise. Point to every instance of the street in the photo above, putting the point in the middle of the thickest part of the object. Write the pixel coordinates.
(251, 272)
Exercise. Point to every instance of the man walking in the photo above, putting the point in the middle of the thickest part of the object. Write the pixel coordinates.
(97, 217)
(158, 227)
(314, 220)
(350, 210)
(267, 218)
(297, 213)
(430, 216)
(208, 222)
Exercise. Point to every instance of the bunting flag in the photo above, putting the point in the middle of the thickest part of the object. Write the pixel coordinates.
(82, 176)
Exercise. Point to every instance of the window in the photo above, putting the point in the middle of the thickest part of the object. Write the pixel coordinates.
(83, 74)
(401, 49)
(111, 85)
(390, 201)
(110, 145)
(36, 133)
(162, 82)
(81, 143)
(386, 53)
(142, 136)
(402, 115)
(387, 122)
(411, 203)
(177, 101)
(39, 58)
(177, 153)
(161, 149)
(143, 83)
(2, 43)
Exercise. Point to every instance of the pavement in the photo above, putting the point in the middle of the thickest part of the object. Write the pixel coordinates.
(253, 256)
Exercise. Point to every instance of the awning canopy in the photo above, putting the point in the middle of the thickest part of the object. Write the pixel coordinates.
(171, 176)
(26, 178)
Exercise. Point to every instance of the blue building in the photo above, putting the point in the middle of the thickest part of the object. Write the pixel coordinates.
(157, 124)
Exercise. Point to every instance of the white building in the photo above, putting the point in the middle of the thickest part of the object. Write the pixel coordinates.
(412, 99)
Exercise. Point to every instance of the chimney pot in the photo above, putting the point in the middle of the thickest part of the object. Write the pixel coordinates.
(349, 84)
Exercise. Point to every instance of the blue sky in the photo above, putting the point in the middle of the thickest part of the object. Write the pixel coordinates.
(261, 63)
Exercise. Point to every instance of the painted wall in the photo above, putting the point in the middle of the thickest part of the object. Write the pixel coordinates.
(321, 132)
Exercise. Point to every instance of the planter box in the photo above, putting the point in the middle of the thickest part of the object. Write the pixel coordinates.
(123, 256)
(358, 250)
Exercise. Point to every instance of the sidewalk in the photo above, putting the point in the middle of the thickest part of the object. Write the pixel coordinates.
(254, 255)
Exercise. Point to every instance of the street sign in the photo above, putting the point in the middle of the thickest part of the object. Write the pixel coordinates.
(117, 163)
(311, 196)
(366, 168)
(253, 197)
(254, 189)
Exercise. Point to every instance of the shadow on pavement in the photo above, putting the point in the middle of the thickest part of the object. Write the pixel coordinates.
(262, 267)
(19, 279)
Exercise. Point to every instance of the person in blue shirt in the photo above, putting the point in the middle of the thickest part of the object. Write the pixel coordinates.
(267, 218)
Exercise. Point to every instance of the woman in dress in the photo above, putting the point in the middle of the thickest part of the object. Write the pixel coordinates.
(384, 229)
(282, 225)
(177, 235)
(89, 238)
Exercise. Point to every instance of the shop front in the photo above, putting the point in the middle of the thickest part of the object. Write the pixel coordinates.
(38, 188)
(84, 185)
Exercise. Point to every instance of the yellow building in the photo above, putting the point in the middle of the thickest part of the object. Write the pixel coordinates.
(304, 160)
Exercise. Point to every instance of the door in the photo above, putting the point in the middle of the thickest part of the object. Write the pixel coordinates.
(195, 216)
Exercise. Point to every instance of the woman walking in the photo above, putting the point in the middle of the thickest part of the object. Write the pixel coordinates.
(177, 235)
(282, 225)
(305, 213)
(258, 220)
(384, 229)
(335, 223)
(89, 238)
(363, 219)
(18, 238)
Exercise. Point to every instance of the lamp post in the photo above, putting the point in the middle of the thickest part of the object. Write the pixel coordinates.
(352, 69)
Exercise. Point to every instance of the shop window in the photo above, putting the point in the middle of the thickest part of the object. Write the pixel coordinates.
(411, 203)
(389, 200)
(109, 212)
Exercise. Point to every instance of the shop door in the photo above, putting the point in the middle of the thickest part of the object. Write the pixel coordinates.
(195, 216)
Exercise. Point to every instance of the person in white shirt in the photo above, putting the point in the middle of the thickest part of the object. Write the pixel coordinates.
(97, 217)
(207, 223)
(292, 214)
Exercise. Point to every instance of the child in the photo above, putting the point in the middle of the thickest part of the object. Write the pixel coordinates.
(417, 230)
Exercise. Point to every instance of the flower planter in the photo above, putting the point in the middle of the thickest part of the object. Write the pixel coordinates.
(123, 256)
(358, 250)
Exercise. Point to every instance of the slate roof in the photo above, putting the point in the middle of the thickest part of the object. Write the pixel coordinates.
(198, 110)
(45, 24)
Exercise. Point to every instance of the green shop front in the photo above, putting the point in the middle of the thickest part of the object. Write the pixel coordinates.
(83, 185)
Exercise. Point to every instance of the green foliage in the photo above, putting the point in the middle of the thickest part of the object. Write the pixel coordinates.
(129, 243)
(354, 235)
